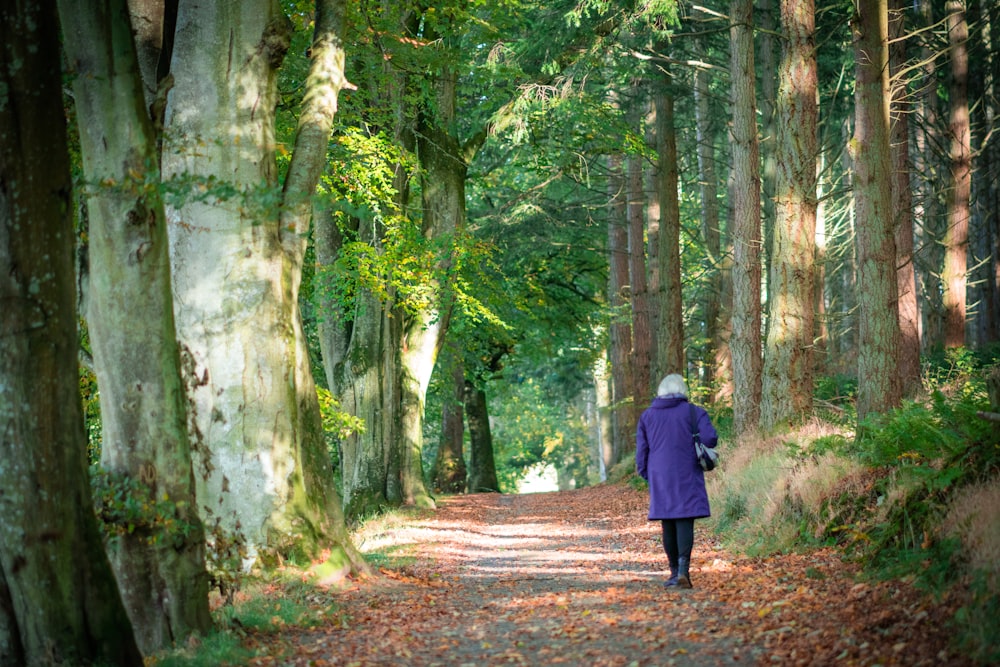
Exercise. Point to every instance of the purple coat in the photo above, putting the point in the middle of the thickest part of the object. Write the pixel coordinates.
(664, 457)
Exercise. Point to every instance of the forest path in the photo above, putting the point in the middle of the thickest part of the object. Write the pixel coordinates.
(575, 578)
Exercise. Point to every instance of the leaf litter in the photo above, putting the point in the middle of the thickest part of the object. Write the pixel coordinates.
(575, 578)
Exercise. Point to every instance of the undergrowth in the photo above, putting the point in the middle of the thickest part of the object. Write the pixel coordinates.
(913, 495)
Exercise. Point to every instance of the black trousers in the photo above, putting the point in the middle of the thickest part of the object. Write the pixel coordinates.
(678, 539)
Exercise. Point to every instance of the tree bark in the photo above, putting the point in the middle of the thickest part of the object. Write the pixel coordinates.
(642, 331)
(160, 571)
(878, 373)
(956, 240)
(237, 260)
(482, 468)
(58, 599)
(788, 359)
(710, 232)
(928, 213)
(448, 475)
(619, 329)
(902, 207)
(670, 338)
(745, 341)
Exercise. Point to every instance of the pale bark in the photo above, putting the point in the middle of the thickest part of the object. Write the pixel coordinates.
(788, 371)
(878, 330)
(602, 404)
(425, 326)
(902, 207)
(744, 188)
(956, 240)
(237, 267)
(58, 600)
(161, 573)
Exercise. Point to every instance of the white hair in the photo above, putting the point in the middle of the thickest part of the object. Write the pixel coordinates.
(672, 384)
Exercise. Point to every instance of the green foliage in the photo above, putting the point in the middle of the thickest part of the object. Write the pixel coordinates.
(125, 506)
(923, 453)
(339, 425)
(534, 426)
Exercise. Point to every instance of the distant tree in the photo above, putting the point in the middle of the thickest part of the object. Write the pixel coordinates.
(59, 603)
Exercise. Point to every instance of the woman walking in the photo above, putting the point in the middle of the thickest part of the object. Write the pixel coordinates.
(665, 457)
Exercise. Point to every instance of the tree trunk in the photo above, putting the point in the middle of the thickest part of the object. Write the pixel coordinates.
(710, 233)
(902, 207)
(878, 373)
(929, 217)
(605, 425)
(161, 573)
(670, 337)
(264, 474)
(448, 473)
(744, 193)
(444, 169)
(642, 331)
(767, 15)
(482, 468)
(788, 370)
(620, 330)
(58, 599)
(956, 240)
(360, 347)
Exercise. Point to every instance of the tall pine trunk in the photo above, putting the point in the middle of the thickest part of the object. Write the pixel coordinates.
(161, 574)
(788, 359)
(710, 233)
(620, 331)
(956, 239)
(744, 191)
(902, 207)
(878, 330)
(58, 600)
(670, 337)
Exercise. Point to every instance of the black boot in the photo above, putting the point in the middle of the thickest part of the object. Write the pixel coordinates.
(683, 574)
(672, 581)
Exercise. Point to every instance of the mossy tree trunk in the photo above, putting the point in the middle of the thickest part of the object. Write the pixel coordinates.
(237, 245)
(59, 603)
(160, 565)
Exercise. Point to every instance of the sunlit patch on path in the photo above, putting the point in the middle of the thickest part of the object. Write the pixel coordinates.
(576, 577)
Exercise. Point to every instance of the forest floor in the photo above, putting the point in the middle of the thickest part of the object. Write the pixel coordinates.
(576, 578)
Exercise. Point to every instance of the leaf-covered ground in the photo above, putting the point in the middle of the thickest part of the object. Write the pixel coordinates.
(575, 578)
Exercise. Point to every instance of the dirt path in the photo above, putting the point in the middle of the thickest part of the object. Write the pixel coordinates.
(576, 578)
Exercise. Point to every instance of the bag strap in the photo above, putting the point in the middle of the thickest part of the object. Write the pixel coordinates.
(693, 419)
